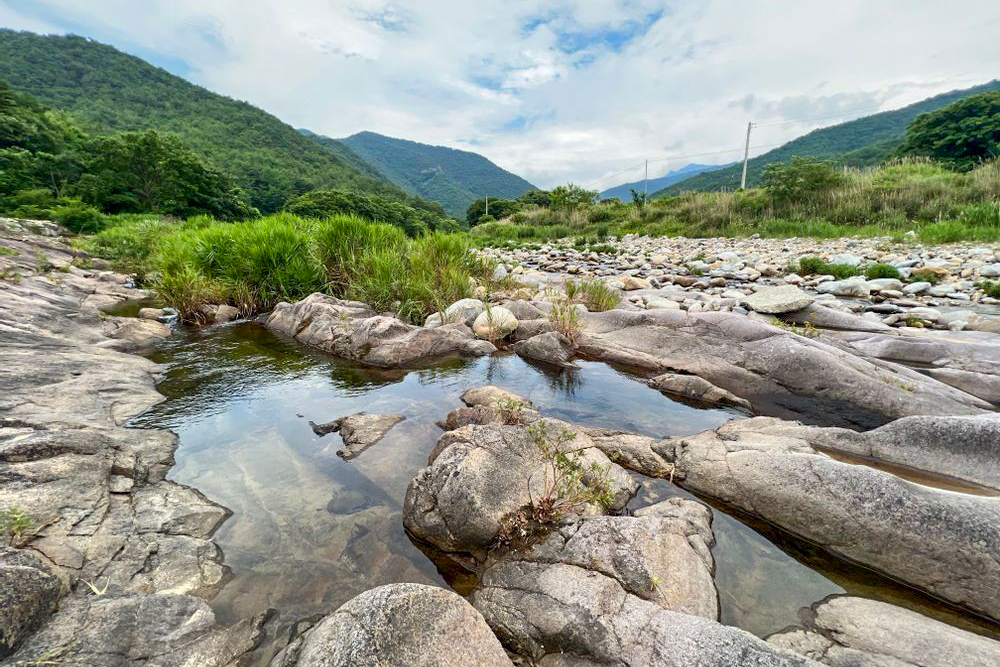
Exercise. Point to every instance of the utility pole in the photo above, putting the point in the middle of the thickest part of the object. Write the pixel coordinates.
(746, 156)
(487, 204)
(645, 184)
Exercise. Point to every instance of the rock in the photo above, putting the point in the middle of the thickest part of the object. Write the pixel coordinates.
(464, 310)
(990, 270)
(858, 632)
(829, 318)
(480, 477)
(499, 272)
(552, 347)
(853, 287)
(846, 258)
(29, 591)
(884, 284)
(359, 431)
(129, 334)
(151, 313)
(784, 299)
(916, 288)
(398, 624)
(494, 324)
(490, 396)
(433, 321)
(351, 330)
(695, 388)
(654, 301)
(947, 544)
(633, 283)
(226, 313)
(779, 373)
(530, 328)
(137, 630)
(523, 310)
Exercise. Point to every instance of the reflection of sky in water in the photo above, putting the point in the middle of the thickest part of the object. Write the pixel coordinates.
(310, 531)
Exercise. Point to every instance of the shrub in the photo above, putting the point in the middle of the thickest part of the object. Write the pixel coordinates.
(800, 179)
(990, 288)
(598, 296)
(814, 265)
(880, 270)
(78, 217)
(565, 318)
(570, 484)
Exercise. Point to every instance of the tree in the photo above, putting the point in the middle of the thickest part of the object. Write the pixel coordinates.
(571, 197)
(150, 172)
(535, 198)
(799, 179)
(962, 134)
(498, 208)
(325, 203)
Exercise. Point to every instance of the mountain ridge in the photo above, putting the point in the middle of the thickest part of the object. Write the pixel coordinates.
(623, 192)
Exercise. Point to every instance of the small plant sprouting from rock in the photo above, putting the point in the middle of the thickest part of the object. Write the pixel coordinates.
(15, 524)
(806, 329)
(596, 295)
(571, 484)
(509, 409)
(565, 318)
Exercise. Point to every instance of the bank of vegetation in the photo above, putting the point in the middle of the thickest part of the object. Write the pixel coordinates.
(257, 263)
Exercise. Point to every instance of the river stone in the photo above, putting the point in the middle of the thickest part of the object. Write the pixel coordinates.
(855, 632)
(563, 615)
(151, 313)
(916, 287)
(633, 283)
(226, 313)
(779, 373)
(351, 330)
(407, 625)
(494, 324)
(947, 544)
(654, 301)
(464, 310)
(551, 347)
(776, 300)
(29, 591)
(490, 395)
(523, 310)
(479, 477)
(824, 317)
(359, 431)
(990, 270)
(695, 388)
(852, 287)
(138, 630)
(128, 334)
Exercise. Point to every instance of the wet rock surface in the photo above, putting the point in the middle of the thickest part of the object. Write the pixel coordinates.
(96, 505)
(398, 624)
(359, 431)
(353, 331)
(855, 632)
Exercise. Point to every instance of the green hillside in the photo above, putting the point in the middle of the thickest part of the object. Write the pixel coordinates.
(106, 91)
(452, 177)
(857, 143)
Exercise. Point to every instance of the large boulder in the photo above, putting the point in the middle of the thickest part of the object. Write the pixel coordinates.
(776, 300)
(945, 543)
(29, 591)
(494, 323)
(464, 310)
(778, 372)
(352, 330)
(480, 477)
(552, 347)
(855, 632)
(398, 624)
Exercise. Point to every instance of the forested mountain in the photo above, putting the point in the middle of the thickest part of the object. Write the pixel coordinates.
(624, 191)
(862, 142)
(452, 177)
(107, 91)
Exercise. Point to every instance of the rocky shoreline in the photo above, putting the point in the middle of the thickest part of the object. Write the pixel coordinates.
(115, 563)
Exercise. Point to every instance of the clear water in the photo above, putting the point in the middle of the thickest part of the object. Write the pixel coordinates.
(310, 530)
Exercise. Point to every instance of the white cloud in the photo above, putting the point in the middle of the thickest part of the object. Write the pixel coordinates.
(551, 90)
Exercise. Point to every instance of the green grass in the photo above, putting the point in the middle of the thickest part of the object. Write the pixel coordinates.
(880, 270)
(990, 288)
(256, 264)
(808, 266)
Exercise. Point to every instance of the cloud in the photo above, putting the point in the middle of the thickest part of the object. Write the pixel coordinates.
(558, 90)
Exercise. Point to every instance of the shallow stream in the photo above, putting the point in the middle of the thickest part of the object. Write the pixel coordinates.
(310, 530)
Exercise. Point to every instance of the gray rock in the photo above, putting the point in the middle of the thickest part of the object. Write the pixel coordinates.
(480, 477)
(523, 310)
(352, 330)
(530, 328)
(551, 347)
(776, 300)
(226, 313)
(856, 632)
(359, 431)
(494, 324)
(829, 318)
(151, 313)
(916, 287)
(398, 624)
(853, 287)
(29, 591)
(489, 395)
(695, 388)
(947, 544)
(990, 270)
(464, 310)
(129, 334)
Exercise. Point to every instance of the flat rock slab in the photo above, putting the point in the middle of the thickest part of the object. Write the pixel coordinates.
(777, 300)
(359, 431)
(398, 624)
(865, 633)
(697, 389)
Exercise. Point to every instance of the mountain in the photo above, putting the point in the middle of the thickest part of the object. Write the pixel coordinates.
(624, 191)
(452, 177)
(857, 143)
(107, 91)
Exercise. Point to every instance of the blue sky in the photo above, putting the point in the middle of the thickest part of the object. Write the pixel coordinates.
(558, 90)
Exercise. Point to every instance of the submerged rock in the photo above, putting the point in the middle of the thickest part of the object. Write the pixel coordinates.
(351, 330)
(850, 631)
(695, 388)
(398, 624)
(359, 431)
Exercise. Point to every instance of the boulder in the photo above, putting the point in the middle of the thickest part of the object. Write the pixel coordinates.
(695, 388)
(226, 313)
(945, 543)
(852, 287)
(633, 283)
(552, 347)
(494, 324)
(776, 300)
(850, 631)
(523, 310)
(464, 310)
(351, 330)
(654, 301)
(480, 477)
(824, 317)
(151, 313)
(489, 395)
(29, 591)
(359, 431)
(129, 334)
(398, 624)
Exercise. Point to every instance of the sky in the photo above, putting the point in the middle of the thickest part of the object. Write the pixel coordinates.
(556, 91)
